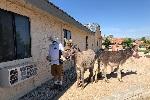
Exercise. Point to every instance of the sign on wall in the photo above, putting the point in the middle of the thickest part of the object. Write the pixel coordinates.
(13, 76)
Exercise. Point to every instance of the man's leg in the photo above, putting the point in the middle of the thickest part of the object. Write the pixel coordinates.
(60, 74)
(54, 73)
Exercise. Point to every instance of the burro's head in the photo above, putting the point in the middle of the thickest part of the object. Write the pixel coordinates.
(134, 51)
(69, 42)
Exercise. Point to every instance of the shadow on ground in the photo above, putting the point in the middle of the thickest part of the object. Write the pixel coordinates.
(48, 91)
(111, 75)
(147, 56)
(123, 74)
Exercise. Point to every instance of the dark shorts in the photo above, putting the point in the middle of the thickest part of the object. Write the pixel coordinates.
(57, 70)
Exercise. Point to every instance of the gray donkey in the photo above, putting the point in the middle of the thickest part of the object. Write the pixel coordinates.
(84, 60)
(116, 58)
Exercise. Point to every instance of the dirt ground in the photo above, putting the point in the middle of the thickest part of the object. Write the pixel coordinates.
(101, 90)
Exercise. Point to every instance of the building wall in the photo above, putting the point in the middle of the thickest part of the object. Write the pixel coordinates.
(98, 39)
(43, 25)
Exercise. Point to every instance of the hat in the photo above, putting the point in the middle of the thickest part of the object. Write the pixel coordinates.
(53, 38)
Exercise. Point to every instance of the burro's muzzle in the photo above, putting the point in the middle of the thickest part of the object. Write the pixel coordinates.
(67, 55)
(135, 52)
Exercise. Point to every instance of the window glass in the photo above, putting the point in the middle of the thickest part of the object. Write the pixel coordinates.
(67, 35)
(15, 41)
(22, 37)
(7, 51)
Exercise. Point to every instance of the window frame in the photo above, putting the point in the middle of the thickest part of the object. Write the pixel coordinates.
(65, 31)
(97, 43)
(14, 35)
(30, 55)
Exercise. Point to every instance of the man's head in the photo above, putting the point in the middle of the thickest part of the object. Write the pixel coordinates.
(54, 39)
(54, 42)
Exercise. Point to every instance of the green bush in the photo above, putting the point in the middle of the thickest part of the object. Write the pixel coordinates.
(106, 43)
(146, 51)
(127, 43)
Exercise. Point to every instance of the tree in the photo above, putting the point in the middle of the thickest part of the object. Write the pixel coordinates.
(147, 46)
(106, 43)
(127, 43)
(143, 39)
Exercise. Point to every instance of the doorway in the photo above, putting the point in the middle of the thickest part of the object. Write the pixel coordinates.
(86, 47)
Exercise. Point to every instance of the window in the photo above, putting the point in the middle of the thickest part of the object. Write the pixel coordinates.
(15, 42)
(67, 35)
(22, 37)
(97, 43)
(6, 37)
(86, 47)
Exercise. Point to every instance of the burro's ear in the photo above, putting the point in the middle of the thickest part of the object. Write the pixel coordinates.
(70, 40)
(65, 40)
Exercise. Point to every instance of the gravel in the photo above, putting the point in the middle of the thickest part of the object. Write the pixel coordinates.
(48, 91)
(136, 82)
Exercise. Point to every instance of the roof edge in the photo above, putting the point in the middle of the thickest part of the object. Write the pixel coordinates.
(49, 7)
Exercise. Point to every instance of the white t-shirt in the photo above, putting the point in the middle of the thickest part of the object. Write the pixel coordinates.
(54, 52)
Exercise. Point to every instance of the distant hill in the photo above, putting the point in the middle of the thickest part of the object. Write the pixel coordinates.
(148, 37)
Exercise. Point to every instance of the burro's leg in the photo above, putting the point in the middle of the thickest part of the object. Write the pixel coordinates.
(78, 76)
(105, 73)
(82, 77)
(91, 74)
(96, 73)
(96, 70)
(119, 74)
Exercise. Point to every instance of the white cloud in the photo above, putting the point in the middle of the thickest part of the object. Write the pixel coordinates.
(130, 32)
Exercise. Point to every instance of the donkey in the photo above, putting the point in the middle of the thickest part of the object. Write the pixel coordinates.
(67, 49)
(116, 58)
(83, 60)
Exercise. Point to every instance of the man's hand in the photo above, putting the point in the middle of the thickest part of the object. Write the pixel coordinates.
(63, 58)
(48, 58)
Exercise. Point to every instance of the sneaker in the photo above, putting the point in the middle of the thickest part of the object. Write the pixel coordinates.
(60, 82)
(56, 82)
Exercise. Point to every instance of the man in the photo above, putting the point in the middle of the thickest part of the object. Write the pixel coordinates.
(55, 57)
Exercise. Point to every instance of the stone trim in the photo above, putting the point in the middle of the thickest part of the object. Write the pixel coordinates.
(50, 8)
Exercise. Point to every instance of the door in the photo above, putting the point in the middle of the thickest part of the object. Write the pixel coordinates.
(86, 42)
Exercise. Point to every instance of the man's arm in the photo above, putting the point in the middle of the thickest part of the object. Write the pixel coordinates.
(49, 54)
(61, 48)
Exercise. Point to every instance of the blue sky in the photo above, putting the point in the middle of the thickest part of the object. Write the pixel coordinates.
(121, 18)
